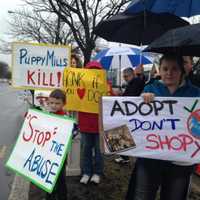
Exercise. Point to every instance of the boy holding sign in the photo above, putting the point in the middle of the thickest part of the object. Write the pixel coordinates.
(56, 102)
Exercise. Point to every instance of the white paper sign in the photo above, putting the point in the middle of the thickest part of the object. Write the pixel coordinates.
(39, 65)
(41, 148)
(166, 129)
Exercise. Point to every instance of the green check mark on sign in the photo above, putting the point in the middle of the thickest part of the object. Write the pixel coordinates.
(192, 108)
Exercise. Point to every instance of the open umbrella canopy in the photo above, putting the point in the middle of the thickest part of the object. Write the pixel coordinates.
(141, 28)
(182, 8)
(123, 57)
(183, 41)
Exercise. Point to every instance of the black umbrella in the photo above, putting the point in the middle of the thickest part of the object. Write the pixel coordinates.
(183, 41)
(140, 28)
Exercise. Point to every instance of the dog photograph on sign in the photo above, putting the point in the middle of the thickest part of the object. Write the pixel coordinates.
(119, 139)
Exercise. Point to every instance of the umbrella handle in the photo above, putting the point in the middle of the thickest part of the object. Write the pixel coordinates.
(120, 59)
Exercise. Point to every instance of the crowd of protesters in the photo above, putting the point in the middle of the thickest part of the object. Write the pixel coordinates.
(173, 78)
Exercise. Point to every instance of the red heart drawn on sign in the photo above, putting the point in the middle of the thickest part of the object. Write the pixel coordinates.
(81, 92)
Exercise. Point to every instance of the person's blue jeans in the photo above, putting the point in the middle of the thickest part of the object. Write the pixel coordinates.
(91, 165)
(149, 175)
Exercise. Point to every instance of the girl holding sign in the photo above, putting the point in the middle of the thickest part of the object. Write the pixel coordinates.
(89, 127)
(173, 178)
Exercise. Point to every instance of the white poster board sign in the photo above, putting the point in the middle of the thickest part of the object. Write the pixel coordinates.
(39, 66)
(41, 148)
(166, 129)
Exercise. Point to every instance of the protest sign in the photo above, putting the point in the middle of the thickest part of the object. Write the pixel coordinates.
(167, 128)
(41, 148)
(83, 88)
(39, 66)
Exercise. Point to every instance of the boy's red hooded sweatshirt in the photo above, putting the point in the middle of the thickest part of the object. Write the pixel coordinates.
(89, 122)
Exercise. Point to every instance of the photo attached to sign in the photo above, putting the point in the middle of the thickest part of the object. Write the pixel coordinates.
(119, 139)
(41, 148)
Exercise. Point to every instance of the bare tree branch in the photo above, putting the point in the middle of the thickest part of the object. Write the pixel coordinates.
(86, 13)
(63, 21)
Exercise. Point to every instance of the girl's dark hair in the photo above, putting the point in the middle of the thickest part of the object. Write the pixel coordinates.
(177, 58)
(58, 94)
(78, 60)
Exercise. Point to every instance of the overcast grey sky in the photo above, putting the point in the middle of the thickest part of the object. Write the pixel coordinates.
(4, 15)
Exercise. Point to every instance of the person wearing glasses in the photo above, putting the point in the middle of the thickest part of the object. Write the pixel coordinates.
(134, 87)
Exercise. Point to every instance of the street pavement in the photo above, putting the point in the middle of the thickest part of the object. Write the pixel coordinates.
(11, 117)
(5, 176)
(11, 114)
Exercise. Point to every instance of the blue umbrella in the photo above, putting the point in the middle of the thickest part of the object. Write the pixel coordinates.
(123, 57)
(182, 8)
(118, 57)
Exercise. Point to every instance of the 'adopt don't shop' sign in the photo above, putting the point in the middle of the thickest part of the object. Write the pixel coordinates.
(166, 129)
(41, 148)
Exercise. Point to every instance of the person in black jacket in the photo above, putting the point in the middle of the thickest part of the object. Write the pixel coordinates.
(192, 71)
(135, 84)
(134, 87)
